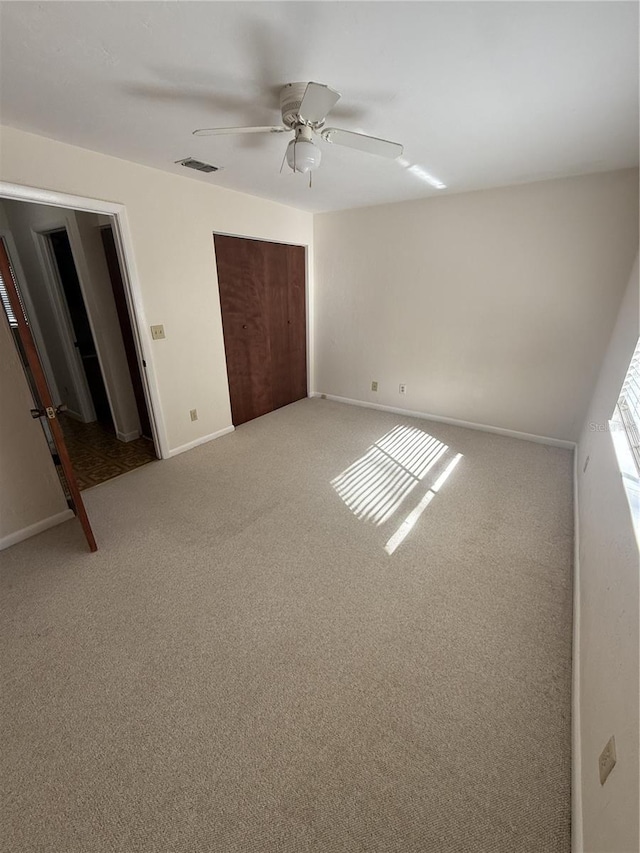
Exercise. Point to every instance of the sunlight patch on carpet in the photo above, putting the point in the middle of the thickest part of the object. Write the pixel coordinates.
(377, 483)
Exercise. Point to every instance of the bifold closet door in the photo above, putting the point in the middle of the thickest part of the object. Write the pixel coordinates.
(243, 301)
(285, 283)
(262, 298)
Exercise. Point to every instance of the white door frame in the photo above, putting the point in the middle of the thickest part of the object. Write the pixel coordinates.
(133, 292)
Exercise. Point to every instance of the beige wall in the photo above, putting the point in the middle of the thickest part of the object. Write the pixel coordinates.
(494, 307)
(30, 492)
(607, 650)
(172, 219)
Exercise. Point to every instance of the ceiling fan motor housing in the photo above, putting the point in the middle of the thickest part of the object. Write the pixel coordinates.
(290, 99)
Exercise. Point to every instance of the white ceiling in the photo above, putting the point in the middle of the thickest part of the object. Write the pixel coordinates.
(481, 94)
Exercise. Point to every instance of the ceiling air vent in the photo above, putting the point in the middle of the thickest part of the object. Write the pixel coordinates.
(198, 165)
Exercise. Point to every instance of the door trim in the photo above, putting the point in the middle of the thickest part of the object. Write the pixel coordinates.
(133, 291)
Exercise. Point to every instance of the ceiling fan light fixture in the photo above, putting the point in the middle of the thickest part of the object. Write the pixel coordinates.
(302, 155)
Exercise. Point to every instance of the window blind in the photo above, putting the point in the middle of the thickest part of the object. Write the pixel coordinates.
(629, 404)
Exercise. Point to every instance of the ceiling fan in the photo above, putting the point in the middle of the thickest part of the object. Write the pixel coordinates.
(304, 108)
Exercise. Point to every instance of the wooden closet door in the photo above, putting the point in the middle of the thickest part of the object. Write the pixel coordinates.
(262, 298)
(244, 305)
(276, 276)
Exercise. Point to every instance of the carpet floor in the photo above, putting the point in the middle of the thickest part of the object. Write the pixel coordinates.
(333, 630)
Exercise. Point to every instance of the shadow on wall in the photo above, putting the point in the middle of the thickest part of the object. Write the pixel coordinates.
(377, 484)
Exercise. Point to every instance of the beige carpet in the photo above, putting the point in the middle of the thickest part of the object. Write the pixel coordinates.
(244, 665)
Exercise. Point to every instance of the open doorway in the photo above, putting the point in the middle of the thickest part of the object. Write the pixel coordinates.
(69, 276)
(60, 248)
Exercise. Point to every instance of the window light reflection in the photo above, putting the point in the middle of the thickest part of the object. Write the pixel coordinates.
(407, 525)
(376, 484)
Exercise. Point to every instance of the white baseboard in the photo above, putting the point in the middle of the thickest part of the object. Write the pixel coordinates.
(512, 433)
(203, 440)
(128, 436)
(32, 529)
(577, 842)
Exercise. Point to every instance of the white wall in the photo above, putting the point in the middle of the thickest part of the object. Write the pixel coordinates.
(30, 495)
(608, 644)
(172, 219)
(494, 307)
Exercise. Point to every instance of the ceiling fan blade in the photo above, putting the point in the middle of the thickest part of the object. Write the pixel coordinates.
(316, 102)
(220, 131)
(363, 142)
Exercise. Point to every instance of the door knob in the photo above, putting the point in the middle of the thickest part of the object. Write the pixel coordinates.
(245, 326)
(50, 412)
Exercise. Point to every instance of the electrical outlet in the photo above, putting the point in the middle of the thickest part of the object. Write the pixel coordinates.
(194, 414)
(402, 388)
(157, 333)
(374, 386)
(607, 760)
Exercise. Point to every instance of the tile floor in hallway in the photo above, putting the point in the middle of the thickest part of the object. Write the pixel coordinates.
(97, 455)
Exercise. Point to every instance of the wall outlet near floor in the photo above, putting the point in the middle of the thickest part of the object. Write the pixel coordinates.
(374, 385)
(607, 760)
(194, 414)
(157, 333)
(402, 388)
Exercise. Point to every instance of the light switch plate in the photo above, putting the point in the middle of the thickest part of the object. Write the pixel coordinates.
(157, 333)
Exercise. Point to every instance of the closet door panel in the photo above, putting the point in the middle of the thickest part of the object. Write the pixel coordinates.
(276, 276)
(297, 321)
(245, 312)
